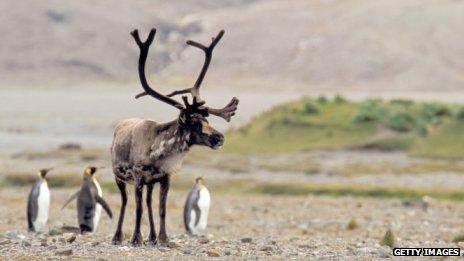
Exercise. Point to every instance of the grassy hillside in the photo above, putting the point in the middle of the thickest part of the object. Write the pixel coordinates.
(422, 129)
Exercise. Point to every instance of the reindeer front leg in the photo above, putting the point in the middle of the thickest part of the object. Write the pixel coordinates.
(164, 188)
(138, 187)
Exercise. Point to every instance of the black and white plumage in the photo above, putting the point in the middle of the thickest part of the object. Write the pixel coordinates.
(196, 208)
(89, 202)
(38, 203)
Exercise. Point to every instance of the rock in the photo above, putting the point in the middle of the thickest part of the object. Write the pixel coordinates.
(203, 240)
(425, 202)
(53, 232)
(227, 253)
(384, 252)
(70, 146)
(25, 243)
(246, 240)
(70, 237)
(66, 252)
(173, 245)
(5, 242)
(52, 247)
(212, 253)
(187, 251)
(94, 244)
(11, 234)
(124, 248)
(266, 248)
(365, 250)
(43, 242)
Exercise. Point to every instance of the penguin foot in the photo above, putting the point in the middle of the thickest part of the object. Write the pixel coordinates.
(137, 240)
(117, 239)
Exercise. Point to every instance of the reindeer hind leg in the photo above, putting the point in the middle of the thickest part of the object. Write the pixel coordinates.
(118, 236)
(149, 200)
(138, 189)
(164, 188)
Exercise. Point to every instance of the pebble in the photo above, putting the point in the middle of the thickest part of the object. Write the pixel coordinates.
(212, 253)
(187, 251)
(70, 237)
(11, 234)
(266, 248)
(173, 245)
(384, 251)
(247, 240)
(54, 232)
(5, 242)
(203, 240)
(66, 252)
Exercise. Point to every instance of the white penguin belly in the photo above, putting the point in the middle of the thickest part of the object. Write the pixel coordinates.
(98, 207)
(192, 222)
(203, 204)
(43, 204)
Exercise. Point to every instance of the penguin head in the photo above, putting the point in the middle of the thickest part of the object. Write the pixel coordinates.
(43, 172)
(90, 170)
(199, 181)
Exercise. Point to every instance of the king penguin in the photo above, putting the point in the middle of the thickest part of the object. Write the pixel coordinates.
(89, 202)
(196, 208)
(38, 203)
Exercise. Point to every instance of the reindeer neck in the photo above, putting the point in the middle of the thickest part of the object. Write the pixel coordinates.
(172, 139)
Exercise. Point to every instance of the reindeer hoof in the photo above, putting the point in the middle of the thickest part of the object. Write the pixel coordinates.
(163, 239)
(117, 239)
(152, 240)
(137, 240)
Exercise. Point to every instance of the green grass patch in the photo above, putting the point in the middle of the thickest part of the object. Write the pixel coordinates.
(390, 143)
(353, 190)
(422, 129)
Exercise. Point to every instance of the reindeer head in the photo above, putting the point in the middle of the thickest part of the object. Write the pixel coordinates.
(193, 116)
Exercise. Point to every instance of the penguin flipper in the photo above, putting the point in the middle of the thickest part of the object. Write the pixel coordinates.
(105, 205)
(73, 196)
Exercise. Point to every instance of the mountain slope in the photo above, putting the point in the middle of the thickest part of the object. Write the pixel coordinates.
(345, 45)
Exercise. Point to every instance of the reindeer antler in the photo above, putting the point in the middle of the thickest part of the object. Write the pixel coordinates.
(195, 90)
(227, 112)
(198, 104)
(144, 47)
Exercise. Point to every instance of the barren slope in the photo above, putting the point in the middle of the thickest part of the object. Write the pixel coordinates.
(350, 44)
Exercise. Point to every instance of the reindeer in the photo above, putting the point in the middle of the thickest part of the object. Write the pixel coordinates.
(145, 152)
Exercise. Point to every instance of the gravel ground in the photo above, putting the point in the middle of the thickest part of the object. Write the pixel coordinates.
(240, 227)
